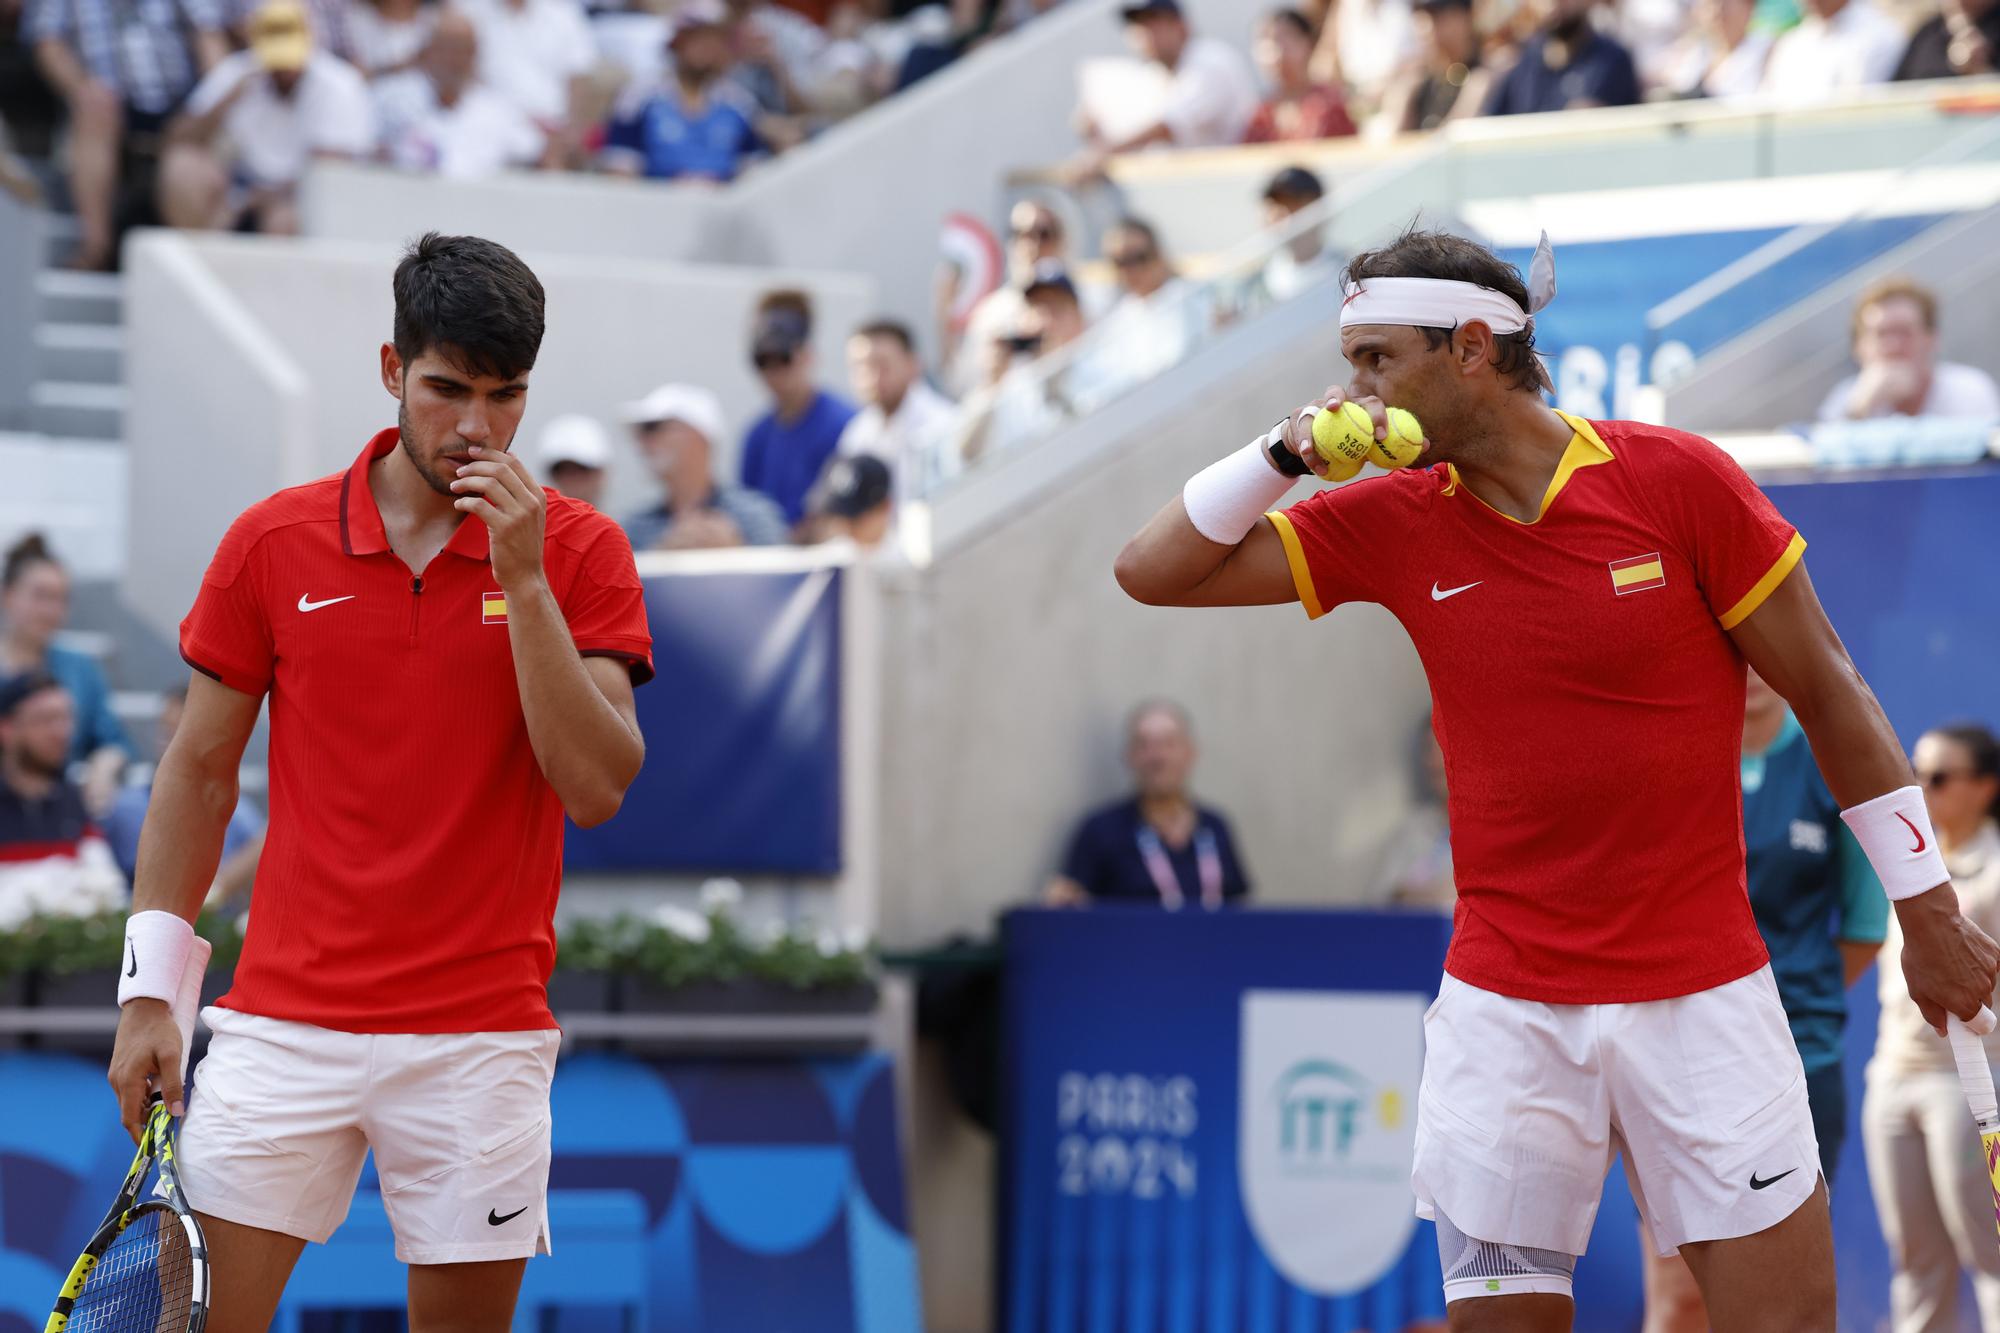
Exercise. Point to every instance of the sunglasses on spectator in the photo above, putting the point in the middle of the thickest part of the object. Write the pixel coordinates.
(1041, 231)
(771, 360)
(1940, 779)
(1133, 259)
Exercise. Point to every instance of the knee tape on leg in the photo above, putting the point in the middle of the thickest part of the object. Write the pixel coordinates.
(1489, 1268)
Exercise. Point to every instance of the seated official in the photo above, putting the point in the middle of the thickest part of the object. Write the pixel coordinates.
(1157, 846)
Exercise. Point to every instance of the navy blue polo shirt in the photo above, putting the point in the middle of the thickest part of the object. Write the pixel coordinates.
(1600, 74)
(1106, 859)
(32, 830)
(1810, 887)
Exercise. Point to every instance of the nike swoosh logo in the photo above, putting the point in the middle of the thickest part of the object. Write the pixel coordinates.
(134, 970)
(1439, 594)
(1757, 1184)
(494, 1219)
(307, 604)
(1921, 844)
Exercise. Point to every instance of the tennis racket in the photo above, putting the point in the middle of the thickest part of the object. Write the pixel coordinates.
(1975, 1076)
(146, 1269)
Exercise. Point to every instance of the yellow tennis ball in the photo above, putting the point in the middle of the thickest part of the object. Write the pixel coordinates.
(1402, 444)
(1345, 435)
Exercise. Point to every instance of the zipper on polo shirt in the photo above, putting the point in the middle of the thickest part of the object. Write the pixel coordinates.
(416, 592)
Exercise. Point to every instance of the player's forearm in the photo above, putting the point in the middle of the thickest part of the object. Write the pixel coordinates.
(588, 753)
(1167, 563)
(1856, 748)
(180, 843)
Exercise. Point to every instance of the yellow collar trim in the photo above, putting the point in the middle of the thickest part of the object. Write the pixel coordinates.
(1586, 449)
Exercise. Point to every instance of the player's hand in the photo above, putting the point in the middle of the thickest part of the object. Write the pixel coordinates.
(145, 1057)
(1298, 433)
(1949, 963)
(495, 487)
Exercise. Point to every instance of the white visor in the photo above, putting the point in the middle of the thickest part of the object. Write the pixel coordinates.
(1441, 303)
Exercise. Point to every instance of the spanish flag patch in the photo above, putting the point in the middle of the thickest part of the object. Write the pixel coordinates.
(493, 608)
(1637, 573)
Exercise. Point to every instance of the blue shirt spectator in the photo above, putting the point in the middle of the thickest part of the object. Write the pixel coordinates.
(128, 816)
(1158, 846)
(701, 125)
(97, 726)
(782, 459)
(1568, 64)
(139, 51)
(34, 598)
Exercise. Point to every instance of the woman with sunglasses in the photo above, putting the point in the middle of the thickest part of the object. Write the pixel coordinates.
(1924, 1162)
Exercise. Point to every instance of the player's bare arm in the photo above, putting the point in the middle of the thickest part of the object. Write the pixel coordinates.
(579, 712)
(1172, 562)
(180, 844)
(1949, 962)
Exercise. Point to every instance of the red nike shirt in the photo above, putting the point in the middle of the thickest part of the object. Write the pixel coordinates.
(409, 879)
(1587, 696)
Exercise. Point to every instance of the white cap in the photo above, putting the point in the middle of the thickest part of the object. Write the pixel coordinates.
(574, 439)
(685, 403)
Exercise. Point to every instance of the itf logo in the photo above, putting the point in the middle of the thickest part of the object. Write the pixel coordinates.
(1325, 1137)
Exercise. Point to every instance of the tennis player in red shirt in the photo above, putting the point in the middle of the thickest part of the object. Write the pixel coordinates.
(449, 652)
(1584, 596)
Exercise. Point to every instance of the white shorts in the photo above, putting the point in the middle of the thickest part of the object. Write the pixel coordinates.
(283, 1113)
(1522, 1105)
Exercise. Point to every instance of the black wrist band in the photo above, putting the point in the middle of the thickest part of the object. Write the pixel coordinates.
(1288, 463)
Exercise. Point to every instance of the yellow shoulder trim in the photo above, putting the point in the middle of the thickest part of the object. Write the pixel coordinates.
(1765, 586)
(1295, 556)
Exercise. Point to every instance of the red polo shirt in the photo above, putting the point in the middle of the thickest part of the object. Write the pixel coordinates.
(410, 875)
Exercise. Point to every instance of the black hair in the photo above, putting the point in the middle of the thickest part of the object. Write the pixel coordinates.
(889, 328)
(470, 299)
(1292, 18)
(23, 556)
(1439, 254)
(19, 689)
(1984, 748)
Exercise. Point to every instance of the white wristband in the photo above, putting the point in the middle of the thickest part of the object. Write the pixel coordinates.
(1225, 499)
(157, 945)
(1895, 830)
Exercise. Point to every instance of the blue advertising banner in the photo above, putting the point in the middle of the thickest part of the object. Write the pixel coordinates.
(760, 1195)
(1210, 1119)
(742, 729)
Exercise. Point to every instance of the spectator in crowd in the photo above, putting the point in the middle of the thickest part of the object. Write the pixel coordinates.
(574, 452)
(1303, 260)
(1416, 869)
(1297, 108)
(1158, 317)
(1035, 237)
(437, 118)
(242, 839)
(1963, 37)
(387, 36)
(1032, 382)
(1822, 914)
(1927, 1176)
(698, 128)
(1447, 80)
(854, 501)
(903, 421)
(676, 426)
(538, 54)
(1157, 845)
(121, 69)
(52, 860)
(1361, 46)
(1895, 346)
(1839, 45)
(238, 150)
(34, 597)
(1568, 64)
(1210, 98)
(1723, 54)
(787, 448)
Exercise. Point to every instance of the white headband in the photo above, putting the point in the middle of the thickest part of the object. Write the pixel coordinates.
(1440, 303)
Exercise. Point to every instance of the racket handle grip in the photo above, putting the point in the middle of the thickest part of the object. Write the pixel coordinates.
(1975, 1075)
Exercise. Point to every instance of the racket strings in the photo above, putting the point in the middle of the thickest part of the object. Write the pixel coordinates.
(143, 1284)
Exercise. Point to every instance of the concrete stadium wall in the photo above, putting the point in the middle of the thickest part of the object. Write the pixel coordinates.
(271, 378)
(1011, 661)
(23, 244)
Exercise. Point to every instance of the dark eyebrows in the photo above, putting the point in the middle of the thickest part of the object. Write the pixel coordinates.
(439, 380)
(1366, 347)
